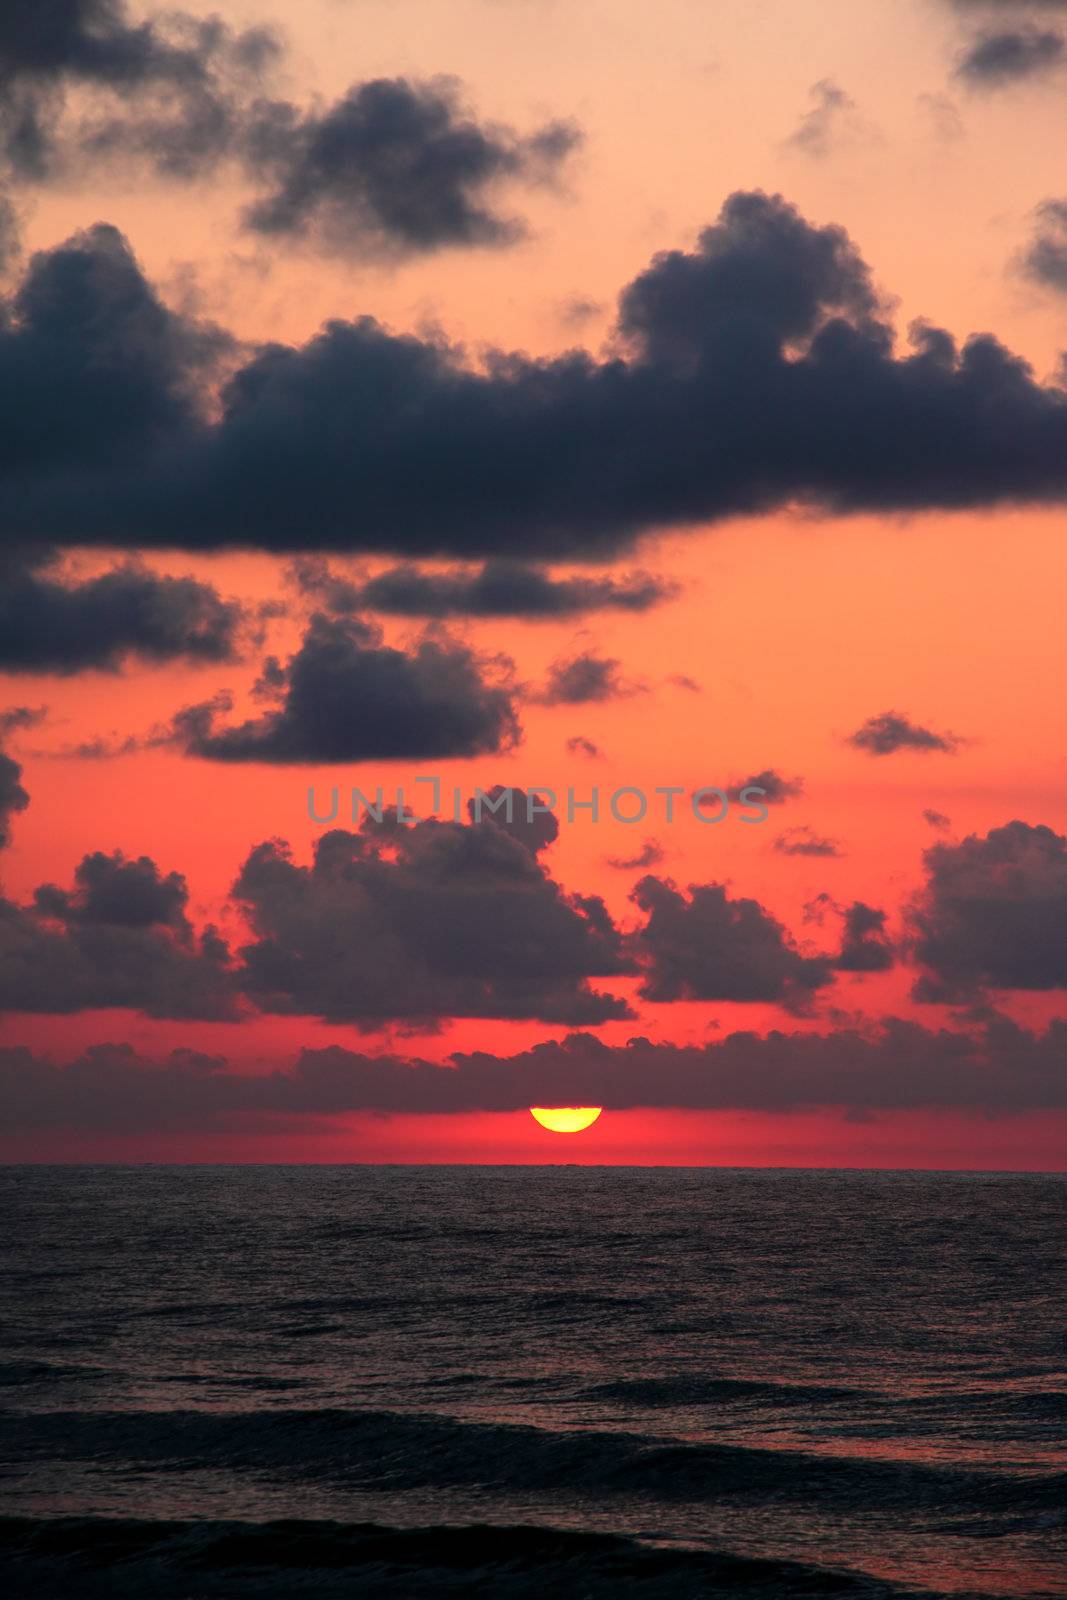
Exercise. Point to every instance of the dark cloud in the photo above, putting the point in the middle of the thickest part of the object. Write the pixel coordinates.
(772, 789)
(423, 922)
(802, 841)
(173, 88)
(891, 731)
(864, 945)
(10, 236)
(710, 947)
(393, 166)
(998, 1070)
(1044, 259)
(497, 589)
(937, 819)
(754, 371)
(993, 913)
(345, 696)
(523, 814)
(119, 937)
(649, 855)
(583, 680)
(1002, 56)
(13, 797)
(95, 371)
(49, 625)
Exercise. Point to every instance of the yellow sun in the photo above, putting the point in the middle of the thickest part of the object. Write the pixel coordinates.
(565, 1119)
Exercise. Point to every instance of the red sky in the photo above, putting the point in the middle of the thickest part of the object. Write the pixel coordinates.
(779, 634)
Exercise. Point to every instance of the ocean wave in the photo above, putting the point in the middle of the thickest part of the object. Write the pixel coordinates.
(695, 1390)
(400, 1450)
(86, 1558)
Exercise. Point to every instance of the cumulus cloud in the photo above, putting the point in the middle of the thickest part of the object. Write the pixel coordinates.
(754, 371)
(998, 1070)
(584, 679)
(865, 946)
(524, 814)
(891, 731)
(13, 797)
(346, 696)
(120, 936)
(51, 624)
(496, 589)
(712, 947)
(773, 789)
(1000, 56)
(172, 89)
(424, 922)
(1044, 260)
(95, 372)
(393, 166)
(992, 913)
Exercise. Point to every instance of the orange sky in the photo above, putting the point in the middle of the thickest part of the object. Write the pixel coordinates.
(794, 628)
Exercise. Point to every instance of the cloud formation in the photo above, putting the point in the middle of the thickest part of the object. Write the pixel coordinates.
(1002, 56)
(650, 854)
(48, 624)
(496, 589)
(775, 789)
(120, 937)
(173, 88)
(346, 696)
(999, 1070)
(424, 922)
(753, 371)
(830, 120)
(13, 797)
(393, 166)
(865, 946)
(803, 841)
(1044, 259)
(584, 679)
(992, 913)
(891, 731)
(712, 947)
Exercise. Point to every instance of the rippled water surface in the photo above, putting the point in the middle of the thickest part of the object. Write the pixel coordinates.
(571, 1380)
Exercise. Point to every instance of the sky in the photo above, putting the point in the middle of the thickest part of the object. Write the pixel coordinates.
(421, 417)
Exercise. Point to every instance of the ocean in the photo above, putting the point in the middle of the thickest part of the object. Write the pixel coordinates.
(530, 1381)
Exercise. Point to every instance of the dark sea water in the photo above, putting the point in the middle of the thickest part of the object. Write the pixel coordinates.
(558, 1381)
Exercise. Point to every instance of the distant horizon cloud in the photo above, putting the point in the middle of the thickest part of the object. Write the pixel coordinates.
(994, 1070)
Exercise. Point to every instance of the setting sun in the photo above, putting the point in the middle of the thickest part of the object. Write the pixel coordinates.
(565, 1119)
